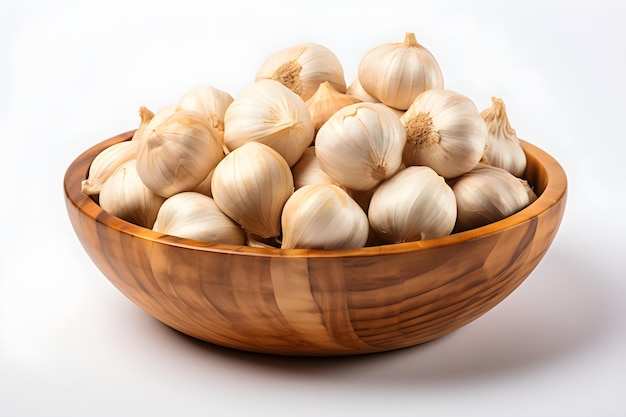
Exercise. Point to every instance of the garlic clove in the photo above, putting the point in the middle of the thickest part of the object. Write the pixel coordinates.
(124, 195)
(415, 204)
(205, 186)
(269, 113)
(192, 215)
(179, 153)
(308, 171)
(355, 89)
(323, 216)
(487, 194)
(361, 145)
(106, 163)
(251, 185)
(503, 148)
(208, 101)
(303, 68)
(396, 73)
(325, 102)
(445, 132)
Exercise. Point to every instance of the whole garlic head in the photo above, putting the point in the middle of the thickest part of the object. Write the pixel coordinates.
(503, 148)
(179, 153)
(361, 145)
(208, 101)
(193, 215)
(269, 113)
(323, 216)
(444, 131)
(124, 195)
(415, 204)
(396, 73)
(303, 68)
(251, 185)
(487, 194)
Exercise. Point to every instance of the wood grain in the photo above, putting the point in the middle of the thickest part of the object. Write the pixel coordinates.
(320, 302)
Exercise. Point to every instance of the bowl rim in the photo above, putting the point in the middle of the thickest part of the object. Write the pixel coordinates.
(554, 190)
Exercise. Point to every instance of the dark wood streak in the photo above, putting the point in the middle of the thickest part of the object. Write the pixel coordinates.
(316, 302)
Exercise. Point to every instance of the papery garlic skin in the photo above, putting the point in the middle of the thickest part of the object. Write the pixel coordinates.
(503, 148)
(269, 113)
(415, 204)
(323, 216)
(208, 101)
(303, 68)
(487, 194)
(325, 102)
(106, 163)
(251, 185)
(308, 170)
(179, 153)
(396, 73)
(445, 132)
(193, 215)
(124, 195)
(361, 145)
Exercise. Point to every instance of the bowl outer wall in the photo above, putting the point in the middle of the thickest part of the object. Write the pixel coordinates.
(319, 302)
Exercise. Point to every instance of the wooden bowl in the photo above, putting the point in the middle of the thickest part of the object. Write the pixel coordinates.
(320, 302)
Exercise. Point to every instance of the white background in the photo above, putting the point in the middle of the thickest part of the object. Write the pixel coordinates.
(75, 73)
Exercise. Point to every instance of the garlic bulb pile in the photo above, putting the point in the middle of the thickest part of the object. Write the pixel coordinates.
(299, 161)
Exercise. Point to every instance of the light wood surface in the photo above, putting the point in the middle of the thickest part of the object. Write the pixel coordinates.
(320, 302)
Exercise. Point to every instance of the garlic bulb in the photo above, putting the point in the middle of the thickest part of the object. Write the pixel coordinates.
(106, 163)
(308, 171)
(323, 216)
(415, 204)
(179, 153)
(355, 89)
(150, 121)
(193, 215)
(208, 101)
(503, 148)
(251, 185)
(303, 68)
(445, 132)
(325, 102)
(487, 194)
(396, 73)
(267, 112)
(124, 195)
(361, 145)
